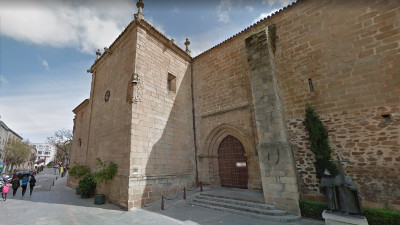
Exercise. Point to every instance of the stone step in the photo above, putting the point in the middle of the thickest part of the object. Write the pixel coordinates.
(283, 219)
(236, 202)
(261, 201)
(271, 212)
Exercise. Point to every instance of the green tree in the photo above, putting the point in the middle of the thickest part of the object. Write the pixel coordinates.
(318, 136)
(62, 140)
(17, 152)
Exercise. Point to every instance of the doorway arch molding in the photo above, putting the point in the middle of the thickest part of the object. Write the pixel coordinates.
(220, 132)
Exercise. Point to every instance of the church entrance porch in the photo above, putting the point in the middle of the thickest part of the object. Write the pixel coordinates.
(241, 202)
(232, 163)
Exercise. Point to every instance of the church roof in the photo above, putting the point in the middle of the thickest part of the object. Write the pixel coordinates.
(9, 129)
(251, 26)
(148, 26)
(81, 106)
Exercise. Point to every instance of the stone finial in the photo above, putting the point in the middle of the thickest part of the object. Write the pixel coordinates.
(139, 15)
(107, 50)
(187, 43)
(98, 53)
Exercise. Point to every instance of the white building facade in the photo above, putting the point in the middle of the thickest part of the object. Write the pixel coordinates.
(45, 153)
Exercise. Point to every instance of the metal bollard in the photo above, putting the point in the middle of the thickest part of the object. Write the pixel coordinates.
(184, 193)
(201, 186)
(56, 178)
(162, 202)
(53, 182)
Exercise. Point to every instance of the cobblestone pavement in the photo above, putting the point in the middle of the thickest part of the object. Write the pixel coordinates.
(58, 205)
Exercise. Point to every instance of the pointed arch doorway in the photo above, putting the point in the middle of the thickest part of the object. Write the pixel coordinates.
(232, 163)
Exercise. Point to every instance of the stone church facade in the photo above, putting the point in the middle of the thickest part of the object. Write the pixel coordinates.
(232, 116)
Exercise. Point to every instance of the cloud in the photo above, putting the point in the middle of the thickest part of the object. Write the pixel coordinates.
(44, 63)
(279, 3)
(36, 115)
(175, 10)
(41, 112)
(250, 8)
(204, 41)
(86, 26)
(3, 80)
(223, 9)
(264, 15)
(156, 25)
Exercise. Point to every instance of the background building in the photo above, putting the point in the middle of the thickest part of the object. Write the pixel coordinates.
(6, 134)
(45, 153)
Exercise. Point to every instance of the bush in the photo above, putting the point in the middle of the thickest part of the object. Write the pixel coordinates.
(106, 171)
(87, 184)
(382, 216)
(312, 209)
(50, 164)
(318, 136)
(79, 171)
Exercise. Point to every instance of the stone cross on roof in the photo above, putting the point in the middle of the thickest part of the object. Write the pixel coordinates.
(139, 15)
(98, 53)
(187, 43)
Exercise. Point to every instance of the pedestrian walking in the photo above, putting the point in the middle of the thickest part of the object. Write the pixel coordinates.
(32, 183)
(6, 187)
(15, 183)
(24, 183)
(61, 170)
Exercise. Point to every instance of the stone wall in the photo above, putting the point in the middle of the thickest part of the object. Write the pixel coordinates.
(370, 141)
(162, 159)
(275, 154)
(223, 106)
(80, 140)
(109, 122)
(349, 50)
(353, 62)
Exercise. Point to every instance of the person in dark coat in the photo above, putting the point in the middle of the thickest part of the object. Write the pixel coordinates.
(24, 183)
(32, 183)
(15, 183)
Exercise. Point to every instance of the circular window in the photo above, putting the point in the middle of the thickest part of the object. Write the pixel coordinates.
(107, 96)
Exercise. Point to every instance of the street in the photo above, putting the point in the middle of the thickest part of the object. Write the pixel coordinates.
(59, 205)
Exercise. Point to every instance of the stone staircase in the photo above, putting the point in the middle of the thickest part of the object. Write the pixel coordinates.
(242, 207)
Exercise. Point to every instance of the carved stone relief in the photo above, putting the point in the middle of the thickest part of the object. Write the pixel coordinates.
(137, 83)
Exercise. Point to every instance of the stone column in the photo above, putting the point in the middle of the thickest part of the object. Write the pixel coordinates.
(275, 155)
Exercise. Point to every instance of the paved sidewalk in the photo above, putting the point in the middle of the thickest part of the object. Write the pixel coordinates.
(59, 205)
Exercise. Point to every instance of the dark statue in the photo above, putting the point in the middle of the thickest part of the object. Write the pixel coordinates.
(341, 193)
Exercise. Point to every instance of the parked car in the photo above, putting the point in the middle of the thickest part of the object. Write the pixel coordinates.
(7, 177)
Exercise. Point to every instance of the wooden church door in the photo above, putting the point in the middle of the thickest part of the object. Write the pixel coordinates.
(232, 163)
